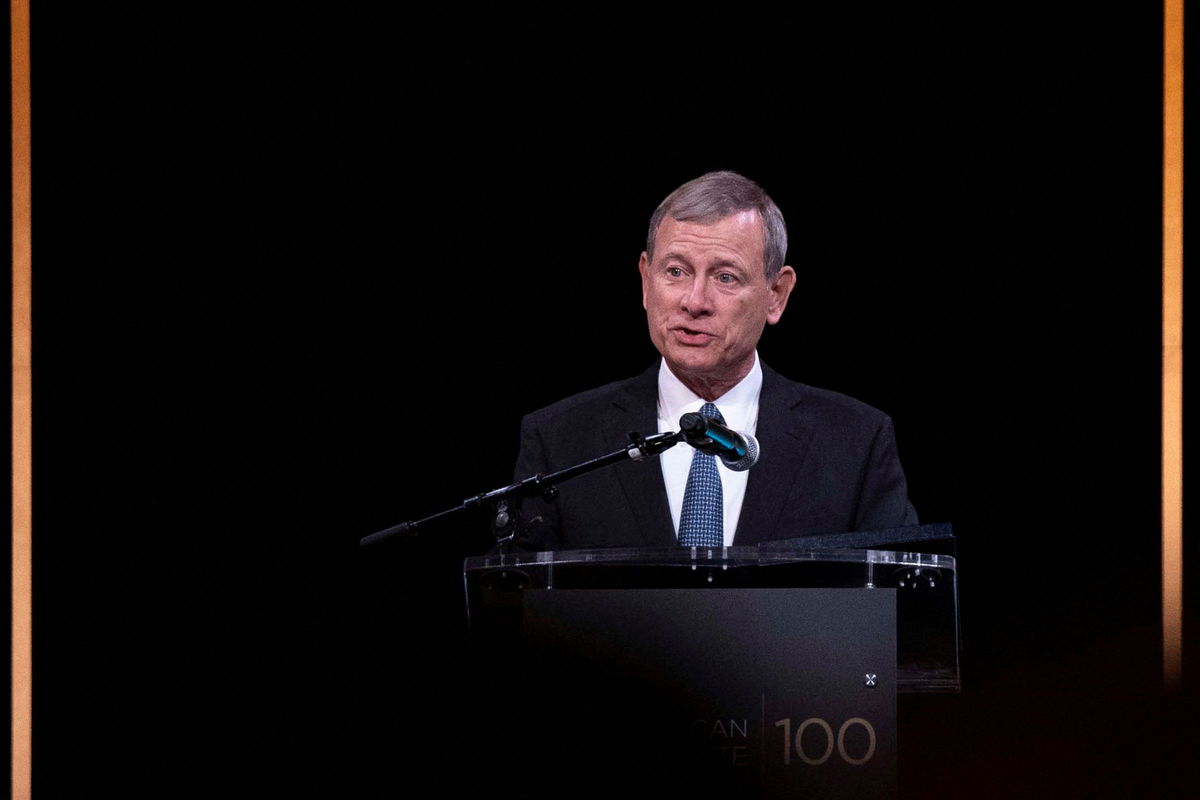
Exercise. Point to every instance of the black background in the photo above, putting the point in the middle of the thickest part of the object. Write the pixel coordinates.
(297, 277)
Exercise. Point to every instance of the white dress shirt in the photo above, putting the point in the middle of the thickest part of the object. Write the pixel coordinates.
(739, 407)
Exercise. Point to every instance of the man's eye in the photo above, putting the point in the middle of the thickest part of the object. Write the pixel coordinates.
(726, 277)
(674, 272)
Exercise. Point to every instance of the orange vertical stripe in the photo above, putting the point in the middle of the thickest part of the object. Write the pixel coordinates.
(1172, 345)
(22, 455)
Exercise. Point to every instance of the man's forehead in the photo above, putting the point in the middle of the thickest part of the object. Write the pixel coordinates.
(741, 231)
(746, 218)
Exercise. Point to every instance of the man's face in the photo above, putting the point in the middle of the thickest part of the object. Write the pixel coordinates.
(707, 299)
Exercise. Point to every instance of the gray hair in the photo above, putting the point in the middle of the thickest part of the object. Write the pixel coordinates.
(716, 195)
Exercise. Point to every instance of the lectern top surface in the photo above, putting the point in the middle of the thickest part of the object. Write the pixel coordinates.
(708, 556)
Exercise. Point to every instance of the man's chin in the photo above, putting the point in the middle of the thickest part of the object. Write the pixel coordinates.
(696, 366)
(692, 367)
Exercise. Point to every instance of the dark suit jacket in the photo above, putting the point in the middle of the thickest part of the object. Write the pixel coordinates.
(828, 465)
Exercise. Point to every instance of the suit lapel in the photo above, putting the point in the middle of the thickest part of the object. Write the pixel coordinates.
(635, 408)
(784, 443)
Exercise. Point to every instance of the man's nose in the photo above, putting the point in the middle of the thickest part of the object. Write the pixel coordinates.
(697, 300)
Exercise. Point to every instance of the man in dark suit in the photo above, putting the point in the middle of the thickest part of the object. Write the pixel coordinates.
(713, 276)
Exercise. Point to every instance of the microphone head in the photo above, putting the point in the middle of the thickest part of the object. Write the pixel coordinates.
(747, 461)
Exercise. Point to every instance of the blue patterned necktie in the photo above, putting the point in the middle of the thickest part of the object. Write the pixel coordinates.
(701, 523)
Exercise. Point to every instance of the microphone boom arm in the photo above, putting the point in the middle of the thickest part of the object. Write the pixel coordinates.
(639, 448)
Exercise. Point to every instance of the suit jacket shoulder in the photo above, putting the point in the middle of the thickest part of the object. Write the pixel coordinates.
(631, 391)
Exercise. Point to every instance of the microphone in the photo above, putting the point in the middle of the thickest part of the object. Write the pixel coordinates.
(739, 451)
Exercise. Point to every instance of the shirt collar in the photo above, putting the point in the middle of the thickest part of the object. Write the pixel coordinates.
(739, 406)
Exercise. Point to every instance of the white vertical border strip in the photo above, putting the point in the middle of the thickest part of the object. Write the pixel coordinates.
(1172, 345)
(22, 410)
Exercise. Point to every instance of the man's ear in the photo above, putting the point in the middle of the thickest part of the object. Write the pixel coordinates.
(780, 290)
(644, 267)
